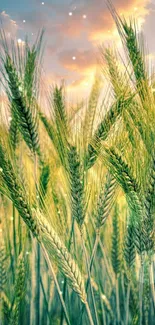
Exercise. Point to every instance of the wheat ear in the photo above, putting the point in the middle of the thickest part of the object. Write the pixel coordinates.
(77, 186)
(135, 198)
(27, 122)
(16, 192)
(19, 291)
(149, 218)
(104, 128)
(63, 258)
(14, 132)
(105, 200)
(129, 247)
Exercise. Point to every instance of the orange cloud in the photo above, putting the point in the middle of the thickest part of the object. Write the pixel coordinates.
(98, 22)
(78, 60)
(103, 26)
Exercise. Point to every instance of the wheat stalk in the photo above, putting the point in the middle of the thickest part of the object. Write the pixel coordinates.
(3, 277)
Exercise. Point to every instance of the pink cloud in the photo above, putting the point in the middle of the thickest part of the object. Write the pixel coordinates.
(10, 26)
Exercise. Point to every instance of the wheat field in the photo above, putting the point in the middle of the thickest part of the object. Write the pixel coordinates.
(77, 186)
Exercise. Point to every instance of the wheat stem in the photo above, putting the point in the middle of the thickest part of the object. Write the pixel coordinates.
(97, 239)
(36, 269)
(152, 282)
(56, 283)
(109, 272)
(141, 279)
(14, 229)
(65, 281)
(45, 298)
(127, 304)
(117, 300)
(89, 277)
(89, 314)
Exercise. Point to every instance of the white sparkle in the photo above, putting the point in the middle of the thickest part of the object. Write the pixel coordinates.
(74, 58)
(11, 218)
(1, 170)
(32, 34)
(19, 41)
(27, 253)
(70, 14)
(43, 3)
(24, 21)
(84, 16)
(10, 119)
(20, 88)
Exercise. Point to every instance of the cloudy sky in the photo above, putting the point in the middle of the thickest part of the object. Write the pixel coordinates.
(73, 32)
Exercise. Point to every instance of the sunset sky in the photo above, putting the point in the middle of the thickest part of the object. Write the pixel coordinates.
(73, 32)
